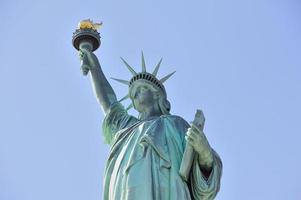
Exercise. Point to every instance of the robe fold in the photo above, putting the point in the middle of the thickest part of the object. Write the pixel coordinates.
(145, 159)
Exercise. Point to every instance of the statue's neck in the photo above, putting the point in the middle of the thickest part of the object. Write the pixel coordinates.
(150, 113)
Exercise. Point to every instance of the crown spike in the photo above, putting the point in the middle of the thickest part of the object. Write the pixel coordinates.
(124, 98)
(162, 80)
(157, 68)
(121, 81)
(143, 62)
(129, 67)
(129, 107)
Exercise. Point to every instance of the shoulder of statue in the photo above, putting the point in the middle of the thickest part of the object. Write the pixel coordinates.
(177, 120)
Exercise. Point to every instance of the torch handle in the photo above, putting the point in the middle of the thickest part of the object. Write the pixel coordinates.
(87, 46)
(85, 65)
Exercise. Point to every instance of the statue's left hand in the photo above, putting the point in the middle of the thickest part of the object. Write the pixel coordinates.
(197, 139)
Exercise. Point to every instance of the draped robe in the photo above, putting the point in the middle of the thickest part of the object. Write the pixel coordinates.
(145, 159)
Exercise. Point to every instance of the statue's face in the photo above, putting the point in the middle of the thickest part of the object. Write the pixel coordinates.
(143, 97)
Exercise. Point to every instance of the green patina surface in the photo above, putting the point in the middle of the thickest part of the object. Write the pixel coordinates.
(147, 151)
(145, 159)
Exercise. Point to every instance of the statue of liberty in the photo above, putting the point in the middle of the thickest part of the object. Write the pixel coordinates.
(146, 151)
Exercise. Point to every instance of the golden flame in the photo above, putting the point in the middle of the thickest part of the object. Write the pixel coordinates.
(88, 24)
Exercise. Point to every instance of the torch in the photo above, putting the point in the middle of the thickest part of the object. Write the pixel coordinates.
(86, 37)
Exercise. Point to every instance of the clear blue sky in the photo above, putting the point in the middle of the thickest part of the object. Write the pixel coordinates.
(237, 60)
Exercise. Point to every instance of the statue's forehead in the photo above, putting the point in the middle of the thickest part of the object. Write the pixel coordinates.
(138, 84)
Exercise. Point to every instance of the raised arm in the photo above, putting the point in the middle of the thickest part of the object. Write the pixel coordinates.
(103, 91)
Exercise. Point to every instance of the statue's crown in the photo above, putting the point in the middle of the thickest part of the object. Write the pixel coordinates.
(149, 78)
